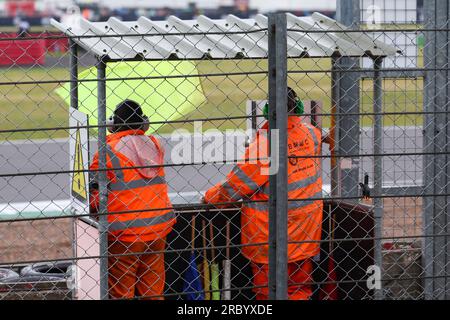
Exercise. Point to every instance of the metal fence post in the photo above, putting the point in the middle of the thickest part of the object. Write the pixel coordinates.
(442, 220)
(102, 180)
(446, 231)
(334, 130)
(73, 104)
(428, 146)
(73, 74)
(440, 161)
(436, 139)
(348, 127)
(378, 166)
(278, 200)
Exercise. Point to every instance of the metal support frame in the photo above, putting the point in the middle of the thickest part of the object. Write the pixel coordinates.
(428, 163)
(278, 198)
(348, 93)
(102, 179)
(440, 223)
(378, 166)
(334, 130)
(446, 147)
(73, 74)
(73, 104)
(436, 214)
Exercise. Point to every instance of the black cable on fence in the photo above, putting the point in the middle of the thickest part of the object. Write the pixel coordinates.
(199, 249)
(13, 264)
(235, 246)
(171, 294)
(207, 208)
(17, 263)
(367, 70)
(383, 279)
(222, 162)
(223, 74)
(386, 154)
(141, 78)
(3, 131)
(371, 238)
(168, 122)
(356, 281)
(418, 30)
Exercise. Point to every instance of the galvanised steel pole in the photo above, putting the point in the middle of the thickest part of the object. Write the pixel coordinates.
(102, 179)
(348, 127)
(278, 200)
(429, 92)
(334, 129)
(447, 174)
(74, 105)
(436, 133)
(73, 74)
(378, 167)
(440, 222)
(272, 281)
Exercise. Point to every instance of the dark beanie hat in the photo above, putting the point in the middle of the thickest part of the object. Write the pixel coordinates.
(129, 113)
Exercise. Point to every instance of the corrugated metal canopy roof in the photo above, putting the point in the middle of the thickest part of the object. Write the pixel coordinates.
(231, 37)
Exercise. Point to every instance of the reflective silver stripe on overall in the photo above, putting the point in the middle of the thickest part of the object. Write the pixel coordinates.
(115, 162)
(299, 184)
(236, 195)
(297, 204)
(121, 185)
(145, 222)
(245, 178)
(231, 192)
(315, 139)
(292, 205)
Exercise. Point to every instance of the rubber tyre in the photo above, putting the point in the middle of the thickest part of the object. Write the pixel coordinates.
(32, 278)
(6, 274)
(58, 270)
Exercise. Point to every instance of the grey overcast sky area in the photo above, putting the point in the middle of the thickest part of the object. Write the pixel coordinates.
(261, 5)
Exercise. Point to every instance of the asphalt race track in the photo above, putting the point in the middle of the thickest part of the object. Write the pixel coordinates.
(184, 181)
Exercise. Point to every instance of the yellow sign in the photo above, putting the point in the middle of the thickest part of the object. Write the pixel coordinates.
(78, 180)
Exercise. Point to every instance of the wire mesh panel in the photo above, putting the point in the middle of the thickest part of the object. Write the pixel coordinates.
(141, 159)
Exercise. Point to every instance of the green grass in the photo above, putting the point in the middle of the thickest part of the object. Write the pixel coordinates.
(25, 106)
(33, 29)
(227, 96)
(37, 105)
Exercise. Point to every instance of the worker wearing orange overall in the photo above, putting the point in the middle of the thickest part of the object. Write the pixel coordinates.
(249, 180)
(139, 209)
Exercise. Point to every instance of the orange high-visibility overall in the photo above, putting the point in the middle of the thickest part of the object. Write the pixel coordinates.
(139, 213)
(249, 180)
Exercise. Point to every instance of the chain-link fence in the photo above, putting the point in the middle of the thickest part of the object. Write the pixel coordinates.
(284, 157)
